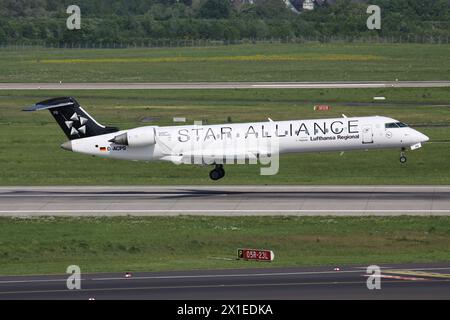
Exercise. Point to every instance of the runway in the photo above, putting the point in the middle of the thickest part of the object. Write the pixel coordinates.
(224, 200)
(223, 85)
(412, 281)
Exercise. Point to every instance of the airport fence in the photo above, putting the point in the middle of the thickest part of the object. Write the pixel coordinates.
(179, 43)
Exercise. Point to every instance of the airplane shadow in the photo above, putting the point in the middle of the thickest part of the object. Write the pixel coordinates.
(230, 194)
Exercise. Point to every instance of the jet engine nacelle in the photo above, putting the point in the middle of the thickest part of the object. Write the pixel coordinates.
(138, 137)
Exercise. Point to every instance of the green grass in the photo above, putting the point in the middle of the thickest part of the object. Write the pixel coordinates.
(49, 245)
(30, 153)
(258, 62)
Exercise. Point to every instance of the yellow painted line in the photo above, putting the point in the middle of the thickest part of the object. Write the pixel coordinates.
(257, 57)
(417, 273)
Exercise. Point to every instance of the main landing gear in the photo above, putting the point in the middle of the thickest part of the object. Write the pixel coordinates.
(402, 156)
(217, 173)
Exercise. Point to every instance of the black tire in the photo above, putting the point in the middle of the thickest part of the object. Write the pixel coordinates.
(403, 159)
(215, 175)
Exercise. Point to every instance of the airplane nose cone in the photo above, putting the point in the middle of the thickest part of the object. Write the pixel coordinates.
(424, 138)
(67, 145)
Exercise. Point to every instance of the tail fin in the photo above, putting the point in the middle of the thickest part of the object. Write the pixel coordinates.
(72, 118)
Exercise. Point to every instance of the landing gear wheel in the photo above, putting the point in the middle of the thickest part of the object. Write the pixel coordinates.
(402, 157)
(217, 173)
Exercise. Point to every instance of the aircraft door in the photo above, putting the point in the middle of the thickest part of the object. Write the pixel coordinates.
(367, 134)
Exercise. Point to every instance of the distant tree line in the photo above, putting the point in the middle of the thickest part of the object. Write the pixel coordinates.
(141, 20)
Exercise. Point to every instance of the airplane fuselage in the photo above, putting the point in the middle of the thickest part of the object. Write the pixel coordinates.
(226, 143)
(180, 143)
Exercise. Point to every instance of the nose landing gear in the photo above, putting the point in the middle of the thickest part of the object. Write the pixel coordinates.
(217, 173)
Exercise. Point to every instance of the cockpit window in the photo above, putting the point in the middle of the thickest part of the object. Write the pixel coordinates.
(391, 125)
(394, 125)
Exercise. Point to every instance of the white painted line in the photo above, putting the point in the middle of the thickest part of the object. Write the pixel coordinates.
(232, 275)
(138, 188)
(33, 281)
(180, 287)
(328, 85)
(186, 276)
(261, 274)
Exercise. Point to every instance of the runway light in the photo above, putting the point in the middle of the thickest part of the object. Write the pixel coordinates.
(91, 299)
(127, 275)
(337, 269)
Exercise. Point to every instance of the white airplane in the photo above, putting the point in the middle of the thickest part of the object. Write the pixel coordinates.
(226, 143)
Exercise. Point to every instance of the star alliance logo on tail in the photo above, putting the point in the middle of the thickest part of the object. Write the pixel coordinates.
(82, 127)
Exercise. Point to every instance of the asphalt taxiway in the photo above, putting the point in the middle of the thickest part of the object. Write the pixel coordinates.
(224, 200)
(412, 281)
(223, 85)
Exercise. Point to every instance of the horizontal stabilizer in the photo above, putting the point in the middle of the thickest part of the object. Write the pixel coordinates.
(72, 118)
(52, 103)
